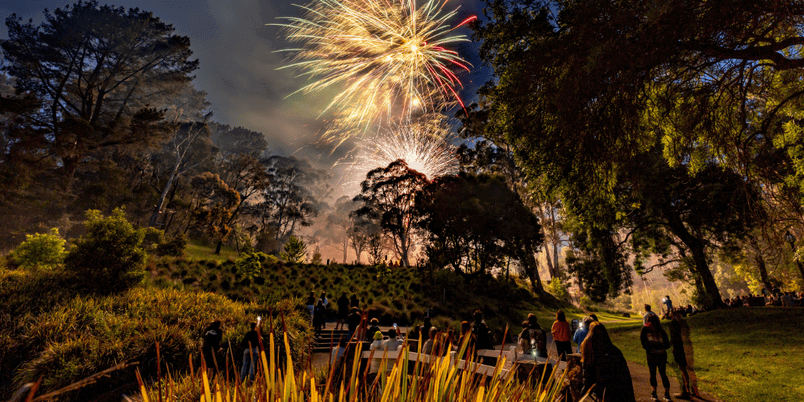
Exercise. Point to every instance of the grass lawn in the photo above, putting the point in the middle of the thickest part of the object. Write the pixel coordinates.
(197, 252)
(745, 354)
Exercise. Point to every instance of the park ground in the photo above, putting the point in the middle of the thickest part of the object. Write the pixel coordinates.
(740, 355)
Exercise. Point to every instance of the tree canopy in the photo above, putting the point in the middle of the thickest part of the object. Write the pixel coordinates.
(101, 74)
(584, 90)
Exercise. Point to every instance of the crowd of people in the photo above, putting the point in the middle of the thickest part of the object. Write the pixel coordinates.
(773, 297)
(604, 370)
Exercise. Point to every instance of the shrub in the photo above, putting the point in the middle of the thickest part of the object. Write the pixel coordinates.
(557, 289)
(45, 250)
(316, 260)
(295, 251)
(585, 302)
(109, 258)
(174, 247)
(249, 264)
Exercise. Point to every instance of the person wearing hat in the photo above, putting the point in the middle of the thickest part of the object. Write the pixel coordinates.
(374, 328)
(376, 346)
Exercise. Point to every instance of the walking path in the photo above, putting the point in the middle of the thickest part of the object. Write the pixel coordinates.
(640, 377)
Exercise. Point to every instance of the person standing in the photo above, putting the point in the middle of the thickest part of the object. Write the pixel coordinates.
(581, 333)
(480, 332)
(561, 335)
(648, 313)
(533, 339)
(668, 306)
(213, 334)
(354, 302)
(679, 332)
(352, 322)
(425, 329)
(311, 305)
(605, 371)
(251, 352)
(654, 341)
(319, 317)
(343, 310)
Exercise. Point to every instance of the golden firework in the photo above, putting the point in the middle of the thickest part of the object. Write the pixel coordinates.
(388, 59)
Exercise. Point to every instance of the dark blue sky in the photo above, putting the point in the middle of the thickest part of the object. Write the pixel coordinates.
(238, 64)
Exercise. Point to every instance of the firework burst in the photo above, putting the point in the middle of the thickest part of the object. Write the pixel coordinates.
(389, 59)
(425, 150)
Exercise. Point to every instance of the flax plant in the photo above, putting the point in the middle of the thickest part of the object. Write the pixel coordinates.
(433, 379)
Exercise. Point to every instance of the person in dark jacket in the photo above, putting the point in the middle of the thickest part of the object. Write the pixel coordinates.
(319, 317)
(605, 368)
(251, 352)
(654, 341)
(343, 311)
(352, 322)
(213, 334)
(679, 335)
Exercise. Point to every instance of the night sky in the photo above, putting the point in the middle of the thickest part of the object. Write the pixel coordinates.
(236, 50)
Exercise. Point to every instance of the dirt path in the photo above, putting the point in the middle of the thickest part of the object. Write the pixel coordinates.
(640, 377)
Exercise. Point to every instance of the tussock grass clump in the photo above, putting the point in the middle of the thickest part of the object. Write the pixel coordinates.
(62, 335)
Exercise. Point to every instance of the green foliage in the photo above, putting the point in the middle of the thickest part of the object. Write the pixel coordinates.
(295, 251)
(45, 250)
(557, 289)
(110, 257)
(476, 223)
(249, 265)
(585, 302)
(316, 260)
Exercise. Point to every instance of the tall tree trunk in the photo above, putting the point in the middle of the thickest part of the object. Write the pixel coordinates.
(218, 247)
(700, 267)
(760, 260)
(345, 248)
(160, 203)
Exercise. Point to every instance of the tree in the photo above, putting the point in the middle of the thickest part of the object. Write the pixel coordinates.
(294, 251)
(365, 234)
(110, 257)
(492, 153)
(391, 192)
(712, 84)
(238, 140)
(181, 147)
(214, 203)
(338, 224)
(101, 74)
(477, 223)
(290, 197)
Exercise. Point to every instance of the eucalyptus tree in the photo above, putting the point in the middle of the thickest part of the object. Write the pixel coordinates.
(390, 192)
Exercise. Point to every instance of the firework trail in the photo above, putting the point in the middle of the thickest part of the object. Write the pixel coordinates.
(388, 58)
